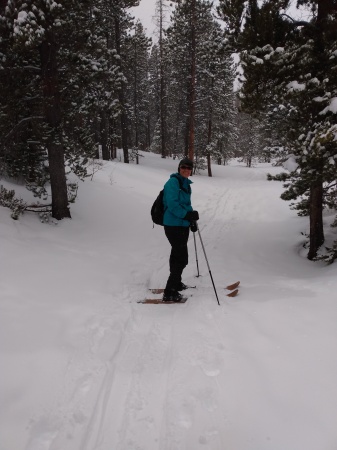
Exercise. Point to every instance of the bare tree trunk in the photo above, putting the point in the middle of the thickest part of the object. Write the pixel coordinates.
(58, 182)
(52, 113)
(192, 84)
(162, 83)
(148, 132)
(113, 150)
(96, 131)
(121, 96)
(186, 136)
(135, 106)
(104, 136)
(209, 133)
(316, 218)
(209, 137)
(325, 7)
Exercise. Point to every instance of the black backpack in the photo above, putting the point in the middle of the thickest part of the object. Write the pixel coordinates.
(157, 210)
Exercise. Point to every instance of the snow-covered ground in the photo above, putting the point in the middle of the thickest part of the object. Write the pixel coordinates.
(85, 367)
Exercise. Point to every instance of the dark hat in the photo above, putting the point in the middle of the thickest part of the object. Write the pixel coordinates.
(185, 162)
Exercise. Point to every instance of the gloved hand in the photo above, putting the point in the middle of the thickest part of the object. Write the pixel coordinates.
(192, 216)
(194, 227)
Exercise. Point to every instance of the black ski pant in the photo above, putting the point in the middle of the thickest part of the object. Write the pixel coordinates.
(178, 237)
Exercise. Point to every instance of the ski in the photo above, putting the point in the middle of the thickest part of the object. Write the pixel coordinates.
(233, 286)
(159, 301)
(233, 293)
(161, 290)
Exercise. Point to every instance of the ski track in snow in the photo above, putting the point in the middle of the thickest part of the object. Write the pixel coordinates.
(86, 382)
(180, 377)
(153, 394)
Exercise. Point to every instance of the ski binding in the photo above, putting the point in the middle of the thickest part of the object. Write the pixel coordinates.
(159, 301)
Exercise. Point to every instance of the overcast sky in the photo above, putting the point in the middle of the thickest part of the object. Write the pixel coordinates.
(146, 10)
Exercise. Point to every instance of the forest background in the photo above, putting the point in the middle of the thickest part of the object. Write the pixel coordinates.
(80, 79)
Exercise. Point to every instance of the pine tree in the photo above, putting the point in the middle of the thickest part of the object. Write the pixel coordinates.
(161, 13)
(102, 102)
(21, 152)
(249, 139)
(208, 106)
(122, 23)
(289, 67)
(153, 94)
(217, 109)
(62, 69)
(137, 92)
(183, 41)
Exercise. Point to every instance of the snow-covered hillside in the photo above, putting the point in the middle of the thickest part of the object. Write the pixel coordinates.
(85, 367)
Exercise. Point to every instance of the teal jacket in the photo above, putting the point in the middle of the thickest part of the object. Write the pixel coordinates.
(177, 202)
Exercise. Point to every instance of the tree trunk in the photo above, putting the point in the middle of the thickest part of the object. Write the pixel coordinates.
(192, 84)
(209, 133)
(209, 137)
(58, 182)
(104, 135)
(186, 135)
(52, 113)
(96, 131)
(121, 95)
(135, 105)
(316, 218)
(325, 7)
(113, 150)
(148, 132)
(162, 84)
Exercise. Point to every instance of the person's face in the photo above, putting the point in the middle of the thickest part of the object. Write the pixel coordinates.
(185, 171)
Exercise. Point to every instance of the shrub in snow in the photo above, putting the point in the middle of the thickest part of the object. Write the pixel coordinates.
(7, 199)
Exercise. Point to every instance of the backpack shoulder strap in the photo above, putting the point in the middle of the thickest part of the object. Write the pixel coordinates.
(181, 184)
(177, 178)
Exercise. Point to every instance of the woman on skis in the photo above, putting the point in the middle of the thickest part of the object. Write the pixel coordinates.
(179, 216)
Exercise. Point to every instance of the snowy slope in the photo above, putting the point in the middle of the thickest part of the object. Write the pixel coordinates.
(85, 367)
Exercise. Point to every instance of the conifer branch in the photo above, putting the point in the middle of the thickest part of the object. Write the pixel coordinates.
(299, 23)
(20, 125)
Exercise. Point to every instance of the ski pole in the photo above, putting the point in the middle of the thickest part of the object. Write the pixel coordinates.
(196, 254)
(209, 269)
